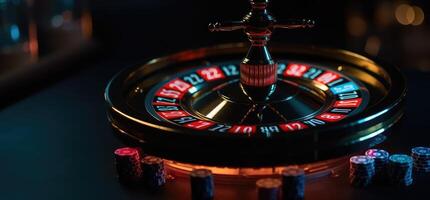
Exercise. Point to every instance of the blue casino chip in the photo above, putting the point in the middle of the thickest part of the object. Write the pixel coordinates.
(421, 151)
(401, 159)
(381, 161)
(361, 160)
(400, 169)
(361, 170)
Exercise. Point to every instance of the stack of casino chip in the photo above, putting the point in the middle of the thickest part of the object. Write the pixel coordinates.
(381, 161)
(127, 162)
(202, 184)
(153, 175)
(269, 188)
(400, 169)
(361, 170)
(293, 183)
(421, 157)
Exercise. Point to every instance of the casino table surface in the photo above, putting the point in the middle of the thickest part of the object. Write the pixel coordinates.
(57, 144)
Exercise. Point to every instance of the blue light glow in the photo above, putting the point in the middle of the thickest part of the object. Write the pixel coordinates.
(14, 32)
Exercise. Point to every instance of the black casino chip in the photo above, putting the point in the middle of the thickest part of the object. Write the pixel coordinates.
(154, 176)
(202, 184)
(268, 188)
(293, 183)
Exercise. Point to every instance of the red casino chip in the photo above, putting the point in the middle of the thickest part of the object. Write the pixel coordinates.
(154, 175)
(127, 162)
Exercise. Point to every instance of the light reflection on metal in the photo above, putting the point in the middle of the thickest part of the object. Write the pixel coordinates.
(320, 86)
(366, 78)
(248, 175)
(373, 116)
(138, 121)
(216, 109)
(366, 137)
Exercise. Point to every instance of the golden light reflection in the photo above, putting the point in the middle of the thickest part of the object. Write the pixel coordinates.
(419, 16)
(320, 86)
(405, 14)
(368, 79)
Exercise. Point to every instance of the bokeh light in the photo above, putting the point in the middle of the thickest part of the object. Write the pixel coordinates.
(405, 14)
(373, 44)
(419, 16)
(356, 25)
(384, 14)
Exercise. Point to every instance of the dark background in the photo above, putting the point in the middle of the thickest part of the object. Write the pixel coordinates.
(137, 29)
(56, 143)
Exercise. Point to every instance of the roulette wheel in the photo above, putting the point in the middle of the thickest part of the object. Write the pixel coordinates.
(256, 105)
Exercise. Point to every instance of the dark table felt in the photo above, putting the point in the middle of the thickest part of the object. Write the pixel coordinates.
(57, 144)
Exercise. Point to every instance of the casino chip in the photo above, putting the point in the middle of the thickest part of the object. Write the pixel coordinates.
(268, 188)
(153, 172)
(361, 171)
(381, 160)
(400, 169)
(202, 184)
(127, 162)
(293, 183)
(421, 159)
